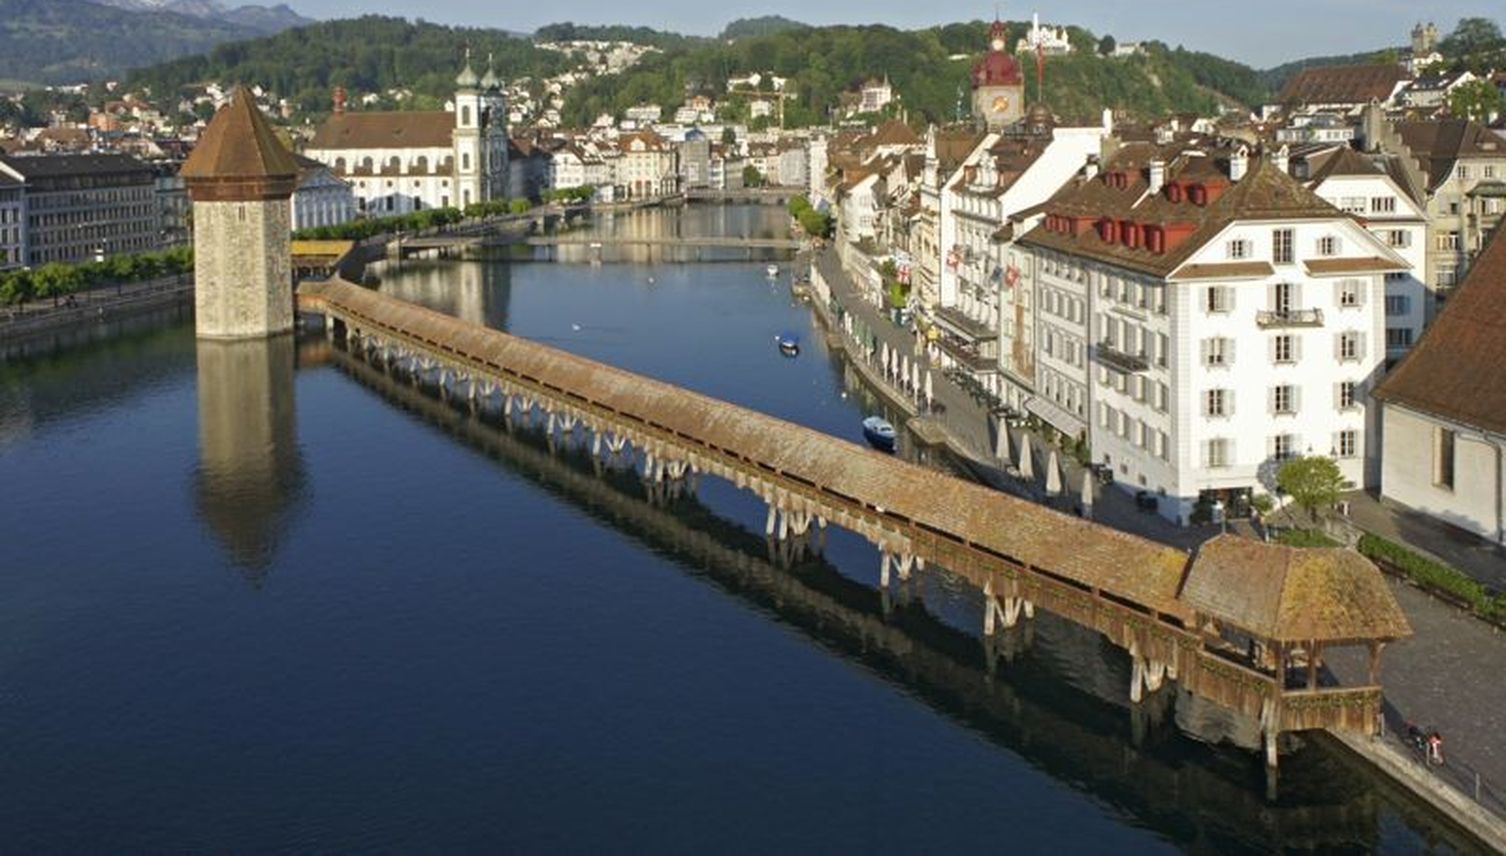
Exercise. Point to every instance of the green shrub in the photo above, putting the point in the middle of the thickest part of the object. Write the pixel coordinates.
(1434, 576)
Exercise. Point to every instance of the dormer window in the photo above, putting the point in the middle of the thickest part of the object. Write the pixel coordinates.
(1130, 234)
(1328, 245)
(1174, 192)
(1238, 248)
(1198, 193)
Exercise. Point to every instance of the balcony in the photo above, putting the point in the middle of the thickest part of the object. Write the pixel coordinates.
(1275, 318)
(966, 356)
(1120, 361)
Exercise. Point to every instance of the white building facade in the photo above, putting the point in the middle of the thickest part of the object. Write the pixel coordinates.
(1233, 321)
(398, 162)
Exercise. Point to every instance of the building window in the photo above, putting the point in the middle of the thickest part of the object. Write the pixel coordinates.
(1217, 352)
(1283, 447)
(1383, 205)
(1462, 171)
(1443, 458)
(1218, 402)
(1217, 453)
(1488, 171)
(1285, 352)
(1352, 205)
(1349, 346)
(1239, 249)
(1348, 442)
(1328, 245)
(1284, 399)
(1281, 246)
(1349, 292)
(1448, 241)
(1219, 299)
(1447, 277)
(1398, 304)
(1346, 395)
(1399, 238)
(1398, 337)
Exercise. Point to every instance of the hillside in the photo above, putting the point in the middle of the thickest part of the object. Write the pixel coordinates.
(369, 54)
(69, 41)
(922, 66)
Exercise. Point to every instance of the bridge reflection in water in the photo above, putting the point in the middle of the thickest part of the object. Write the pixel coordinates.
(1230, 625)
(1066, 723)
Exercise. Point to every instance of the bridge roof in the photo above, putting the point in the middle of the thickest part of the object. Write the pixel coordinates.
(1094, 556)
(1287, 594)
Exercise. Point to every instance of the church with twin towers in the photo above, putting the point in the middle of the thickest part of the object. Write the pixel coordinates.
(401, 161)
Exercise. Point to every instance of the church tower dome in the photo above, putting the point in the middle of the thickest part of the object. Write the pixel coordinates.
(467, 78)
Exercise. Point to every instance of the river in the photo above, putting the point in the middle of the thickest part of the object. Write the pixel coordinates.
(261, 598)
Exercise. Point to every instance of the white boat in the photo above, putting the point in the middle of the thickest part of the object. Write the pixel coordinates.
(772, 271)
(879, 433)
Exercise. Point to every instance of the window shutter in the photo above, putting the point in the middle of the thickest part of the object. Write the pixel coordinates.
(1229, 402)
(1297, 296)
(1296, 398)
(1359, 345)
(1270, 296)
(1229, 352)
(1338, 396)
(1204, 347)
(1296, 348)
(1338, 346)
(1270, 400)
(1270, 346)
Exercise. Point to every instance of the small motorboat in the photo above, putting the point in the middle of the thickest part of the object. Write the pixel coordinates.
(772, 271)
(789, 344)
(879, 433)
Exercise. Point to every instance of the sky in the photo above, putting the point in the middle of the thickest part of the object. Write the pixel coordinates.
(1261, 33)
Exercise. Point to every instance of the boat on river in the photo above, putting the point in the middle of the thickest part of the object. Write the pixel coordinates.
(772, 271)
(879, 433)
(789, 344)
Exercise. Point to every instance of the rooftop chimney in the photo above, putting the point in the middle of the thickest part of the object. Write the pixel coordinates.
(1281, 158)
(339, 98)
(1157, 175)
(1239, 163)
(1090, 169)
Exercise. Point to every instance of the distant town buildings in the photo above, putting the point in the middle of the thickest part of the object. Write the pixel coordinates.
(1049, 41)
(85, 207)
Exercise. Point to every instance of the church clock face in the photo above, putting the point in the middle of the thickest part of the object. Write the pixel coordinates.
(1001, 103)
(997, 44)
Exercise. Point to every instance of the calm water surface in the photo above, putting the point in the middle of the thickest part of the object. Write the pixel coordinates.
(262, 598)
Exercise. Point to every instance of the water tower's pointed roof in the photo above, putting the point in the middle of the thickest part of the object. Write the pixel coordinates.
(239, 156)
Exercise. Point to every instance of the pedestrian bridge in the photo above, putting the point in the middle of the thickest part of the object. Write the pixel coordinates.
(1242, 624)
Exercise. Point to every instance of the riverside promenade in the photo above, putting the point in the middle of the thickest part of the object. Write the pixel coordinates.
(1433, 678)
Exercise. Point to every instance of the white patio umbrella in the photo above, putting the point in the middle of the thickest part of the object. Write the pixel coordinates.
(1053, 475)
(1087, 494)
(1025, 465)
(884, 359)
(1001, 443)
(915, 379)
(928, 389)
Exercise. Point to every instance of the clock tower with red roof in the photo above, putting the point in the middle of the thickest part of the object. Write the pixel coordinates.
(998, 87)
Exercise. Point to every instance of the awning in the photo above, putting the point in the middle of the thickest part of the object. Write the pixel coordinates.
(1056, 416)
(1489, 188)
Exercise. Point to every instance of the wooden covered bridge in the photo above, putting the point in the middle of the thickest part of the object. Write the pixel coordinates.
(1241, 623)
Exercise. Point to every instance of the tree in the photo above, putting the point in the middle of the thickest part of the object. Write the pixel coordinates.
(752, 177)
(729, 136)
(1106, 45)
(1479, 100)
(1472, 36)
(1313, 482)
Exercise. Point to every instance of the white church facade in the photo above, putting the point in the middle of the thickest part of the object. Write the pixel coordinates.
(403, 161)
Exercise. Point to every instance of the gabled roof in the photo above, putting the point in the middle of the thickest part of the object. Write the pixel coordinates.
(892, 133)
(238, 143)
(1289, 594)
(1438, 144)
(1453, 371)
(1264, 193)
(432, 129)
(32, 167)
(1343, 84)
(1344, 161)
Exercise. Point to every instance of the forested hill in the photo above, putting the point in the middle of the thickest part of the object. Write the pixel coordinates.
(372, 54)
(69, 41)
(929, 69)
